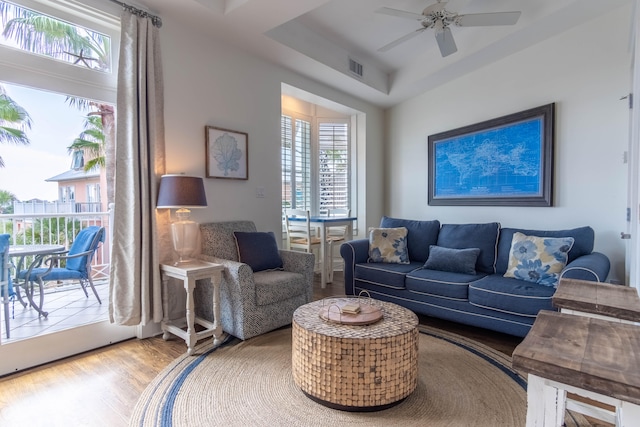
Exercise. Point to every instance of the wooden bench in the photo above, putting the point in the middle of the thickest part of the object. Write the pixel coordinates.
(592, 358)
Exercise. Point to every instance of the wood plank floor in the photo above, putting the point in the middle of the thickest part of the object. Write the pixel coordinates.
(101, 387)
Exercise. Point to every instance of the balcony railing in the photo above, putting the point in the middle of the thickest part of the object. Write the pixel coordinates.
(43, 207)
(59, 228)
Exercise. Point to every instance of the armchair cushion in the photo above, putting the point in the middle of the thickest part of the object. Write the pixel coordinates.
(258, 249)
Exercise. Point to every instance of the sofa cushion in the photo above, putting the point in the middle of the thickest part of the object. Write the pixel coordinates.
(452, 260)
(583, 242)
(538, 259)
(391, 275)
(388, 245)
(510, 295)
(481, 236)
(420, 235)
(440, 283)
(258, 249)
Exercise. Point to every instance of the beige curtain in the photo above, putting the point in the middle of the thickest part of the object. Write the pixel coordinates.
(135, 287)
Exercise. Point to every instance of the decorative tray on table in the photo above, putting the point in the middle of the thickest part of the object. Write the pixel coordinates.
(350, 310)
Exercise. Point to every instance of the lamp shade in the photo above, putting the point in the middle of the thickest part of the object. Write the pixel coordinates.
(180, 191)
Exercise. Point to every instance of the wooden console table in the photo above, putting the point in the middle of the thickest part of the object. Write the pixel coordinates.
(593, 358)
(189, 273)
(601, 300)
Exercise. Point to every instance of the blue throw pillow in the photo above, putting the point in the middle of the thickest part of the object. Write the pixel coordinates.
(482, 236)
(258, 249)
(420, 235)
(452, 260)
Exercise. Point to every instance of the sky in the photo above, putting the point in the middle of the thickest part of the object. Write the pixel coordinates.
(54, 127)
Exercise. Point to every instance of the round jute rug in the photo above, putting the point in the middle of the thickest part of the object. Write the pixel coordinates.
(461, 383)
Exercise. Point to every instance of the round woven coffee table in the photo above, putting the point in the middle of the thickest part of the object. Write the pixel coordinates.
(356, 368)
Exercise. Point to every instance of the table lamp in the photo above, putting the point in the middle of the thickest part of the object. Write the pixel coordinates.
(182, 192)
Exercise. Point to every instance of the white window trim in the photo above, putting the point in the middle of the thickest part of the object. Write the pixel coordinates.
(41, 72)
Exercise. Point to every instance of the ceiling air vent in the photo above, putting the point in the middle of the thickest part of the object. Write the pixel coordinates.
(355, 67)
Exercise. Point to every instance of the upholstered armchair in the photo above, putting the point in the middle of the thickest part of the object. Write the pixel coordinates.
(252, 303)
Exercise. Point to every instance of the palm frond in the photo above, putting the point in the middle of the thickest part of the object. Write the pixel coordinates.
(14, 136)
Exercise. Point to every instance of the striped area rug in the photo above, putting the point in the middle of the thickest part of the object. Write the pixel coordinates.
(461, 383)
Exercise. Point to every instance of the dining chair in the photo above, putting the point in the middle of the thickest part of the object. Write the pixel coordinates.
(299, 235)
(6, 285)
(336, 235)
(77, 264)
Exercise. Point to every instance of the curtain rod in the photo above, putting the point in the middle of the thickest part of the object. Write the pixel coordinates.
(156, 20)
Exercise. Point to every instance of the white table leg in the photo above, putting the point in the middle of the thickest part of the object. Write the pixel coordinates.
(628, 415)
(545, 404)
(189, 286)
(323, 255)
(165, 306)
(216, 280)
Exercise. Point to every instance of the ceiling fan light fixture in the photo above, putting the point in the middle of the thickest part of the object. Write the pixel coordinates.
(440, 19)
(438, 26)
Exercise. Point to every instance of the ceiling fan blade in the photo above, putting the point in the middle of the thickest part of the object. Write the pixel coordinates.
(445, 42)
(400, 13)
(401, 40)
(487, 19)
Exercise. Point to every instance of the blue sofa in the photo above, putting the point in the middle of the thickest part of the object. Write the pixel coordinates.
(483, 297)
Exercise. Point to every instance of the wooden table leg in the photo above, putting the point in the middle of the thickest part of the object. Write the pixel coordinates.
(216, 280)
(190, 285)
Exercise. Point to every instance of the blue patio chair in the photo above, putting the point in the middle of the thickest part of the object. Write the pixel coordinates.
(6, 285)
(78, 264)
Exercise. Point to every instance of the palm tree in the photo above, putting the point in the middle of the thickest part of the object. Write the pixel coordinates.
(45, 35)
(48, 36)
(91, 141)
(14, 121)
(6, 201)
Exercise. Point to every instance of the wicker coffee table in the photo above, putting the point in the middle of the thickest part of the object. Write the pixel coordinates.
(355, 368)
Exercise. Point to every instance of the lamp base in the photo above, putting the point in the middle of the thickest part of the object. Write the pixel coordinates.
(185, 239)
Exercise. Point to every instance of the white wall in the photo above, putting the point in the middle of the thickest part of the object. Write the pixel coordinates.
(209, 83)
(585, 71)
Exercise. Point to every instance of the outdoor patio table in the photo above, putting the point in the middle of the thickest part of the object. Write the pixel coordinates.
(38, 251)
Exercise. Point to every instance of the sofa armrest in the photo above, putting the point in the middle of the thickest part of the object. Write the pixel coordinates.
(353, 252)
(300, 262)
(594, 267)
(239, 279)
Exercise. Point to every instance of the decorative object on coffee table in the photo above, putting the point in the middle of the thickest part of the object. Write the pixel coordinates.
(355, 368)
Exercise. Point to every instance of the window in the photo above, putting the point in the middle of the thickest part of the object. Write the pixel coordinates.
(333, 161)
(58, 67)
(68, 194)
(315, 163)
(296, 163)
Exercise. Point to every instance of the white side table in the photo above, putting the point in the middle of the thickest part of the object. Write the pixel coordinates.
(189, 273)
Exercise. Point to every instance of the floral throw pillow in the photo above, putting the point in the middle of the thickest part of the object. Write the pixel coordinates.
(388, 245)
(538, 259)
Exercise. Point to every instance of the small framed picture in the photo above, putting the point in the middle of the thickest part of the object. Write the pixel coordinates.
(227, 153)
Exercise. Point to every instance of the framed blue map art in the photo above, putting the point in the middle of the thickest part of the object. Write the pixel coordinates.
(506, 161)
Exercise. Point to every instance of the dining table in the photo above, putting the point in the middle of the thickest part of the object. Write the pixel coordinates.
(322, 223)
(38, 252)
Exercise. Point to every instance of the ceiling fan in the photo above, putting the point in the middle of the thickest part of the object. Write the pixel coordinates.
(440, 19)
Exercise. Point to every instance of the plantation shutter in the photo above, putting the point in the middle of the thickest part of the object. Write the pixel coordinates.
(296, 163)
(302, 162)
(333, 166)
